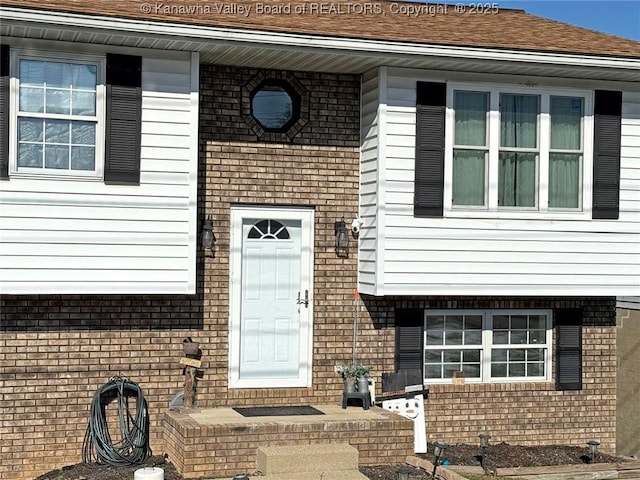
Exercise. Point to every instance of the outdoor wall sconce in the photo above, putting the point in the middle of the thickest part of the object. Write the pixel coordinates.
(403, 473)
(484, 444)
(208, 238)
(593, 449)
(342, 238)
(438, 448)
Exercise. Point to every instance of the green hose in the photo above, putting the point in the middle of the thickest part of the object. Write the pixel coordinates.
(133, 447)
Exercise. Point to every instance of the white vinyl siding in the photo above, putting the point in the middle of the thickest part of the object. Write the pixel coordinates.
(631, 303)
(548, 255)
(74, 236)
(369, 248)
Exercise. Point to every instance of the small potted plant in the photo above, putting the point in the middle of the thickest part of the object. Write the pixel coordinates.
(349, 375)
(362, 375)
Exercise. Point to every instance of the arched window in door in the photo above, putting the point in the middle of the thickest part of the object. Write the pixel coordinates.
(268, 229)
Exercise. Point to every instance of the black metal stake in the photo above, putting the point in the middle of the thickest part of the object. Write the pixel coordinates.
(437, 451)
(593, 449)
(435, 467)
(484, 444)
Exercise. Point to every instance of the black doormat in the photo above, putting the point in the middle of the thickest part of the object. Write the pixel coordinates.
(277, 411)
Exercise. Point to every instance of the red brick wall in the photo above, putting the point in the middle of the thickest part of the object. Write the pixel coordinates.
(55, 351)
(219, 450)
(318, 168)
(524, 413)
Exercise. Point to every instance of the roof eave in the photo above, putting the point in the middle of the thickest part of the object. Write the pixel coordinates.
(310, 43)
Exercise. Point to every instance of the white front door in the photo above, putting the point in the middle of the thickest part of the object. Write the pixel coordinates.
(271, 289)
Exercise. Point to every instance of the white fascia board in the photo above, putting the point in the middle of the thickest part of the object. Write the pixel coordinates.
(281, 40)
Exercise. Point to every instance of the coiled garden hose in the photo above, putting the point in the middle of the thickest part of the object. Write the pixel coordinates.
(133, 446)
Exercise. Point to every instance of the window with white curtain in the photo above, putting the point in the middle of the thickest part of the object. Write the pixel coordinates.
(487, 345)
(565, 152)
(517, 150)
(471, 148)
(59, 115)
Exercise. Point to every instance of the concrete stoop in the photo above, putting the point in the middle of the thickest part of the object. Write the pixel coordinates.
(327, 461)
(339, 475)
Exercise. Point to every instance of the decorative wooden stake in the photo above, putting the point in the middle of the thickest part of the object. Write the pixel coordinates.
(189, 386)
(190, 373)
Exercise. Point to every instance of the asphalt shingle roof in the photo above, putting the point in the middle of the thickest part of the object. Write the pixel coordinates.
(383, 20)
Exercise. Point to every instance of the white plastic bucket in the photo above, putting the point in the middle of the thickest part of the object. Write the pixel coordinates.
(149, 473)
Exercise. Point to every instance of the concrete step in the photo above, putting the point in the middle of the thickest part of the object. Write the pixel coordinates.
(340, 475)
(310, 458)
(629, 474)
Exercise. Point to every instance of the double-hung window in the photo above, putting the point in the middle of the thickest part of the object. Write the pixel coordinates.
(59, 115)
(512, 150)
(518, 151)
(471, 148)
(487, 345)
(565, 151)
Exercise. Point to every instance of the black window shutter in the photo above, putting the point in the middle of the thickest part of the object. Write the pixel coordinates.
(568, 326)
(409, 338)
(429, 174)
(124, 119)
(4, 111)
(606, 154)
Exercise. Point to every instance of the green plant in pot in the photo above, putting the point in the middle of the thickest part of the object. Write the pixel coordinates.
(349, 376)
(362, 376)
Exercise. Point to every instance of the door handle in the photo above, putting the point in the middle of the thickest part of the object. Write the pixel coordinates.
(304, 301)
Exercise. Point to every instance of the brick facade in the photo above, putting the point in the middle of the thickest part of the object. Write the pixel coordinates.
(318, 168)
(524, 413)
(219, 450)
(55, 351)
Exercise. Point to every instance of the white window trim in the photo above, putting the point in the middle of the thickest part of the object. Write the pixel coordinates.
(14, 93)
(541, 211)
(485, 347)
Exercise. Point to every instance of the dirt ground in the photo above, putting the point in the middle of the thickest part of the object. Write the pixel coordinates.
(498, 455)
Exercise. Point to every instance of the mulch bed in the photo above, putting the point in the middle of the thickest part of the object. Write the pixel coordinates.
(503, 455)
(500, 455)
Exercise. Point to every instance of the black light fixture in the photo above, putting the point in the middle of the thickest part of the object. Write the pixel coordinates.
(403, 473)
(438, 448)
(342, 238)
(593, 449)
(208, 238)
(484, 444)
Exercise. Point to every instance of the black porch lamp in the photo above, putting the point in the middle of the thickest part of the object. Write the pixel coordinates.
(438, 448)
(593, 449)
(342, 238)
(208, 238)
(484, 444)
